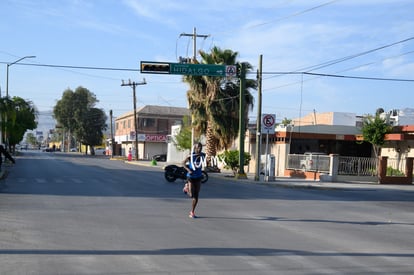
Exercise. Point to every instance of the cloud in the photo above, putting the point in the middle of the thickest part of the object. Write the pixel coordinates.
(403, 70)
(160, 12)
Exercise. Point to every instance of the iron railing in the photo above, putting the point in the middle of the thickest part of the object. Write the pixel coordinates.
(306, 162)
(357, 166)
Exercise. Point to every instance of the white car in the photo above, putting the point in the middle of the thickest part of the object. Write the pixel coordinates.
(100, 151)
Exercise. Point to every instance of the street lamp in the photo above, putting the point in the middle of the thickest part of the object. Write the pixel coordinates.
(7, 71)
(7, 89)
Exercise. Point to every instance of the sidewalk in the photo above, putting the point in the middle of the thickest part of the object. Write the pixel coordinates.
(295, 183)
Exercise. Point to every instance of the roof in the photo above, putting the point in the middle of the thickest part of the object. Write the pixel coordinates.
(154, 111)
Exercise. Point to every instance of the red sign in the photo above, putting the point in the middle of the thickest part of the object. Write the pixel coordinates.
(268, 123)
(155, 138)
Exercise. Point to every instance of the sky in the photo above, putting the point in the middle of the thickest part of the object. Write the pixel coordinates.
(358, 55)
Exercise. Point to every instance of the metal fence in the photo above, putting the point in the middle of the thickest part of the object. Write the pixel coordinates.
(351, 166)
(308, 162)
(357, 166)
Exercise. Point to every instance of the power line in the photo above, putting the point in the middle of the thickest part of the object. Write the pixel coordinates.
(78, 67)
(295, 14)
(335, 61)
(266, 73)
(346, 58)
(360, 77)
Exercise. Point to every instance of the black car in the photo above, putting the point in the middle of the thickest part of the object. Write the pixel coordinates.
(160, 157)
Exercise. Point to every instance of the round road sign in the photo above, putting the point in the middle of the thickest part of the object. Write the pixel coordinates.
(231, 70)
(268, 121)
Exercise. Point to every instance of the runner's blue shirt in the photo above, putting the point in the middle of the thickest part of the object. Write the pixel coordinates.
(196, 165)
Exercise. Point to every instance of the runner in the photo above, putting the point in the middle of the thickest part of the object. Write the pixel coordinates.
(193, 164)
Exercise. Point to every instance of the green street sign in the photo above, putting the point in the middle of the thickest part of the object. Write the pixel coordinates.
(152, 67)
(198, 69)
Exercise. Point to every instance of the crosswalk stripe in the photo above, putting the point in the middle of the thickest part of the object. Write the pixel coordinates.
(40, 180)
(59, 181)
(77, 180)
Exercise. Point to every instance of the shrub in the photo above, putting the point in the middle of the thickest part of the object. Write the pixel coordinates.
(394, 172)
(231, 160)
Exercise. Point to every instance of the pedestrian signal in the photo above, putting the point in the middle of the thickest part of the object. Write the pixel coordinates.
(155, 67)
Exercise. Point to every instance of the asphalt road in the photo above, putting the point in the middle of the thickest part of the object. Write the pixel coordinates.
(72, 214)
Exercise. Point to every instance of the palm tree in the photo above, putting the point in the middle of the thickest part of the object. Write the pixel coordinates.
(214, 102)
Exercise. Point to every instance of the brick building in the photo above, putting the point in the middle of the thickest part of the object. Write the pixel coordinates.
(153, 127)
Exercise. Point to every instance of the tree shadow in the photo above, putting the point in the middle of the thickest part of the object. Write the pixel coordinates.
(79, 175)
(201, 251)
(281, 219)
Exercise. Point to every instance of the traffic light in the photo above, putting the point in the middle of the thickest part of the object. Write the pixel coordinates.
(155, 67)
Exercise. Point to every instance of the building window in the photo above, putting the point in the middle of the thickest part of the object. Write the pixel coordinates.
(148, 122)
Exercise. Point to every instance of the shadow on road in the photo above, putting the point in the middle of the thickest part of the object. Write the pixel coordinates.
(72, 174)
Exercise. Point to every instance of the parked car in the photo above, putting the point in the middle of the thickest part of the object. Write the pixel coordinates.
(160, 157)
(100, 151)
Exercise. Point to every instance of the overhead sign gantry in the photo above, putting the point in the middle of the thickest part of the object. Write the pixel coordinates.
(150, 67)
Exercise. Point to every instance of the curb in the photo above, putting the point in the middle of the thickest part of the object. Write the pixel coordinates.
(289, 183)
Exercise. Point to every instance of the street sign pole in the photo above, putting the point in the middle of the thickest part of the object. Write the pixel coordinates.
(258, 120)
(266, 155)
(269, 123)
(242, 174)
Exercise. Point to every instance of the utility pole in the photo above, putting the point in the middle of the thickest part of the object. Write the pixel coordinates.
(259, 119)
(112, 135)
(133, 84)
(194, 35)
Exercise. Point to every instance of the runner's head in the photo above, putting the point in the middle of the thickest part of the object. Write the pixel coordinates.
(197, 147)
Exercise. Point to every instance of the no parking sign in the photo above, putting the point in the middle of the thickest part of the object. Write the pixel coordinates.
(268, 123)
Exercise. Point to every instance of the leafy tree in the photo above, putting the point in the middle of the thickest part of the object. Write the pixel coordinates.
(6, 111)
(231, 160)
(286, 121)
(25, 119)
(90, 129)
(18, 116)
(374, 130)
(76, 114)
(72, 107)
(183, 139)
(214, 102)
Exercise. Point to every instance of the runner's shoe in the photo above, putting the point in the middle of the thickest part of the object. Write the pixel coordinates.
(192, 215)
(185, 189)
